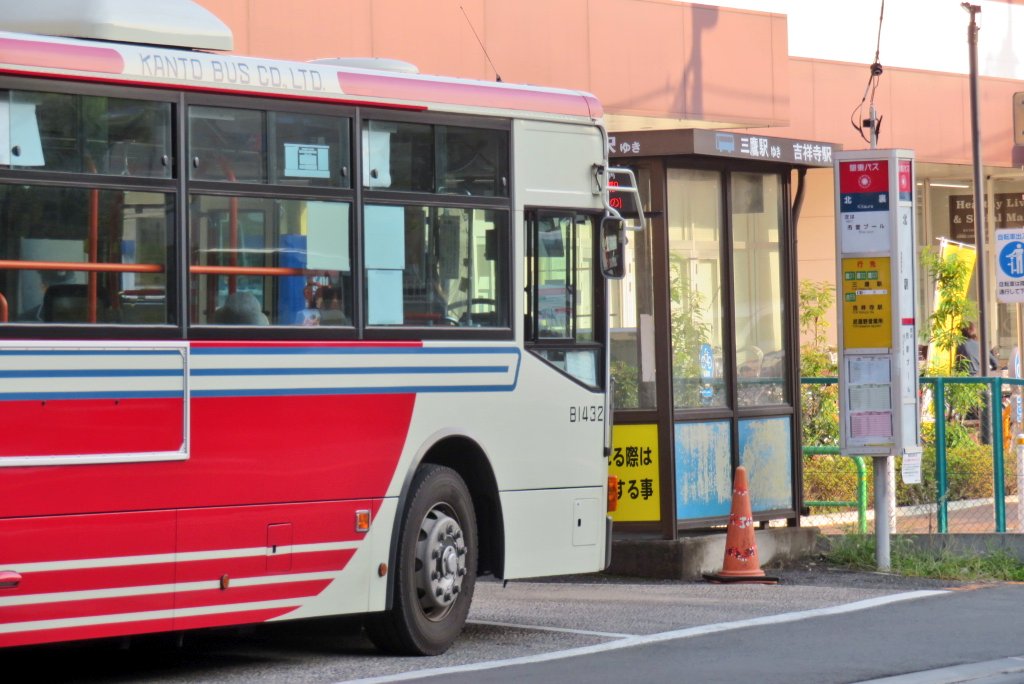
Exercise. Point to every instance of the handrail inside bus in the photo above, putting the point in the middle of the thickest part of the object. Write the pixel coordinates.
(78, 266)
(249, 270)
(94, 268)
(86, 267)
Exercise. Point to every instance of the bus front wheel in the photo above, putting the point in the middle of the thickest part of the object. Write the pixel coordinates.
(435, 570)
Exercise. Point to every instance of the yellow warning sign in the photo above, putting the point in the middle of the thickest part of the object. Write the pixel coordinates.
(867, 303)
(634, 459)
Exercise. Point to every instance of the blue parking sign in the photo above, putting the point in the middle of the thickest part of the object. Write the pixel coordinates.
(1010, 261)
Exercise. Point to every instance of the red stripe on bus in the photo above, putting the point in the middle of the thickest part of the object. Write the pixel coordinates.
(94, 631)
(255, 346)
(92, 579)
(469, 94)
(142, 575)
(140, 627)
(97, 607)
(234, 594)
(58, 427)
(243, 451)
(218, 530)
(257, 566)
(77, 537)
(37, 53)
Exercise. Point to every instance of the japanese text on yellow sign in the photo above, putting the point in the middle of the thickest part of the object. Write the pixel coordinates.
(634, 459)
(867, 303)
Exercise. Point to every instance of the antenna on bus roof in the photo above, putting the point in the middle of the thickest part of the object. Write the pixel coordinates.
(481, 43)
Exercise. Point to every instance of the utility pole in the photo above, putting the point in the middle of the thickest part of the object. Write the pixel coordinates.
(979, 211)
(979, 188)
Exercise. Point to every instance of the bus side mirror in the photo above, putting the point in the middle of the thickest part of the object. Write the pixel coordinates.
(613, 247)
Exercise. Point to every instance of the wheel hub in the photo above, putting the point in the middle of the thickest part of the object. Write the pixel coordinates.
(442, 551)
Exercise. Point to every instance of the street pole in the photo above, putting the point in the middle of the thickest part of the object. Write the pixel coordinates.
(883, 467)
(979, 192)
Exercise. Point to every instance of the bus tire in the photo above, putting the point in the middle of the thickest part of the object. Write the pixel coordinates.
(435, 569)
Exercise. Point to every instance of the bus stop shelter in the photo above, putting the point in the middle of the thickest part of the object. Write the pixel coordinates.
(705, 328)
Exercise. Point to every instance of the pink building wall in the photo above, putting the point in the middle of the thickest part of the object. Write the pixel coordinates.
(659, 59)
(653, 63)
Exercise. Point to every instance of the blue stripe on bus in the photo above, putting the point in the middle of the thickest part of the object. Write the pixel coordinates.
(374, 370)
(296, 392)
(55, 396)
(98, 373)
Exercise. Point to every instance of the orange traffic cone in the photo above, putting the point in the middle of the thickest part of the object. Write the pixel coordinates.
(741, 563)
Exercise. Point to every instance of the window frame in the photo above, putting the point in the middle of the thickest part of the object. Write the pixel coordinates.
(788, 280)
(169, 186)
(269, 190)
(535, 344)
(368, 114)
(387, 196)
(181, 188)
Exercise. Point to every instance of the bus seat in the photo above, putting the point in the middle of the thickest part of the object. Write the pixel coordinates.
(241, 308)
(69, 303)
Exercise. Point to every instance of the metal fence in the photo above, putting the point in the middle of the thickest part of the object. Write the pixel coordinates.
(969, 472)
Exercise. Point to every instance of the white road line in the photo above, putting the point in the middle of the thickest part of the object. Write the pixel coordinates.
(540, 628)
(632, 641)
(990, 670)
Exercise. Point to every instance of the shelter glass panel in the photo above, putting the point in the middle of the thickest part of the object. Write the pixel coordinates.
(759, 289)
(695, 288)
(631, 317)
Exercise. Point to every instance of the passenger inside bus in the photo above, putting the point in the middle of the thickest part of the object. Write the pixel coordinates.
(241, 308)
(34, 312)
(331, 310)
(69, 303)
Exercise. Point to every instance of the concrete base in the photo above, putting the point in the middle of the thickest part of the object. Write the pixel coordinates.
(958, 544)
(689, 557)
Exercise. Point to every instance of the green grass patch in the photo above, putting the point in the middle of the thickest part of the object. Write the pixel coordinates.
(857, 552)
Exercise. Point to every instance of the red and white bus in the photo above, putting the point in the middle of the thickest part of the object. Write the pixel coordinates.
(283, 340)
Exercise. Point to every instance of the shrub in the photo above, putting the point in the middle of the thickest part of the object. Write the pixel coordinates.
(819, 404)
(830, 478)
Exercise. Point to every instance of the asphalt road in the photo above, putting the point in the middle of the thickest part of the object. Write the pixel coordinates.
(818, 625)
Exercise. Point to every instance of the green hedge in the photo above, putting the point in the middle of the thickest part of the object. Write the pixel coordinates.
(968, 476)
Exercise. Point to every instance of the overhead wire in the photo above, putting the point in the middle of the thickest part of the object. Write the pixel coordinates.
(871, 87)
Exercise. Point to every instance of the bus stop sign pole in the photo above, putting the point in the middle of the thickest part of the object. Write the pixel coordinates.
(876, 277)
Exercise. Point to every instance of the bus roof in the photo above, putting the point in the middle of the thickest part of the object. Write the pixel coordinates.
(174, 23)
(146, 65)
